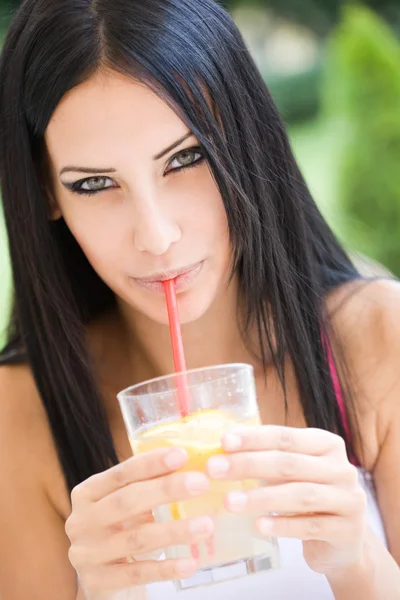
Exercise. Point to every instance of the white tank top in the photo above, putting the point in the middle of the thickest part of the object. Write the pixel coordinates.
(293, 581)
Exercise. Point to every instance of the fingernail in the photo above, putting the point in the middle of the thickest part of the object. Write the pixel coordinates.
(265, 526)
(196, 483)
(237, 501)
(186, 566)
(232, 442)
(175, 459)
(218, 466)
(202, 525)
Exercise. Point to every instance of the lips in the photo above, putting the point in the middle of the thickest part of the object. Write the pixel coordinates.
(183, 278)
(167, 275)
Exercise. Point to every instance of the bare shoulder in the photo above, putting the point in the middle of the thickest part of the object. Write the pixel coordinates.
(26, 443)
(366, 319)
(365, 316)
(33, 497)
(373, 304)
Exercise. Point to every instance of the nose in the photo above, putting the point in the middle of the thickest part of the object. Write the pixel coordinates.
(154, 231)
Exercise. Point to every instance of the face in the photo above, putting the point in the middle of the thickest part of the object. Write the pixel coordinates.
(133, 186)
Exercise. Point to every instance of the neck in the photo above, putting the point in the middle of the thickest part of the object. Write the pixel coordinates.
(213, 339)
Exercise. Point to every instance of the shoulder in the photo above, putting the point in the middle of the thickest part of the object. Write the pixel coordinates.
(374, 297)
(365, 316)
(27, 450)
(34, 502)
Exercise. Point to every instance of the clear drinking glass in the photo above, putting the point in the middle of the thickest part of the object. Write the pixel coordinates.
(220, 398)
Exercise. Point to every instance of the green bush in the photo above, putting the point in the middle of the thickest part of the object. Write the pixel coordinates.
(320, 15)
(297, 96)
(362, 87)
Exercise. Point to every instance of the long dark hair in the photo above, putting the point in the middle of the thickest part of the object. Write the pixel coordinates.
(287, 259)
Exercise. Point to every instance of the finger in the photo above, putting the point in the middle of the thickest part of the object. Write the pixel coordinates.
(129, 575)
(324, 528)
(140, 497)
(151, 537)
(278, 467)
(308, 440)
(138, 468)
(297, 498)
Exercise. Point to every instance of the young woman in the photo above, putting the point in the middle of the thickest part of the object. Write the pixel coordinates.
(139, 142)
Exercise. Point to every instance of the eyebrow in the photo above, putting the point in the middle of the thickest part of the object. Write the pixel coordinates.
(92, 171)
(173, 146)
(87, 170)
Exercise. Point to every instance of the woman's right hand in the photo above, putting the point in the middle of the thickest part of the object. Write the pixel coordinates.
(111, 527)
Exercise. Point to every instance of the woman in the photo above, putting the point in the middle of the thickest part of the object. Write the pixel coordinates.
(138, 142)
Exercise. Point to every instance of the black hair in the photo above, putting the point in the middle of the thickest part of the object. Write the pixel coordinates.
(286, 257)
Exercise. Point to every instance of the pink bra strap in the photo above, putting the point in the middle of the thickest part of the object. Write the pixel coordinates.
(338, 393)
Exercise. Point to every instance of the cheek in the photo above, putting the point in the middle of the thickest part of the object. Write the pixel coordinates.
(202, 208)
(99, 235)
(211, 222)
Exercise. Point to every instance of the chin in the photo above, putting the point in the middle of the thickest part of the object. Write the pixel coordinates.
(189, 312)
(192, 305)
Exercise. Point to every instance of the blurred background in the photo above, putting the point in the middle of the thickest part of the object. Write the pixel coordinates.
(333, 68)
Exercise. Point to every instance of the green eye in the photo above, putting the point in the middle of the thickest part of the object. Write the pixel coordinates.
(185, 159)
(95, 184)
(92, 185)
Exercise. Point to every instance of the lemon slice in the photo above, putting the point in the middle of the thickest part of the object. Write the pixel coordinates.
(198, 433)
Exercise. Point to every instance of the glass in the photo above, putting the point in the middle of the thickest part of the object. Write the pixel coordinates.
(221, 398)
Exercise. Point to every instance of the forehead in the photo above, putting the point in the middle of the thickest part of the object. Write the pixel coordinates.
(111, 109)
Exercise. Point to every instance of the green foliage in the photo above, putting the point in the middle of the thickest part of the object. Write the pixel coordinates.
(320, 15)
(296, 96)
(363, 89)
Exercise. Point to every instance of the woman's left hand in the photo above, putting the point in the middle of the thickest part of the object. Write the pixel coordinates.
(311, 487)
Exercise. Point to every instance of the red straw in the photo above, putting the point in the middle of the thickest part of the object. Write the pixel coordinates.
(177, 346)
(179, 363)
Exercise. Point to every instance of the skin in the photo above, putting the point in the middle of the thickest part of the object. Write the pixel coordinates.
(150, 221)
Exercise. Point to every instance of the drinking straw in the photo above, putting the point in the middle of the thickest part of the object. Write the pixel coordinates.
(179, 362)
(177, 346)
